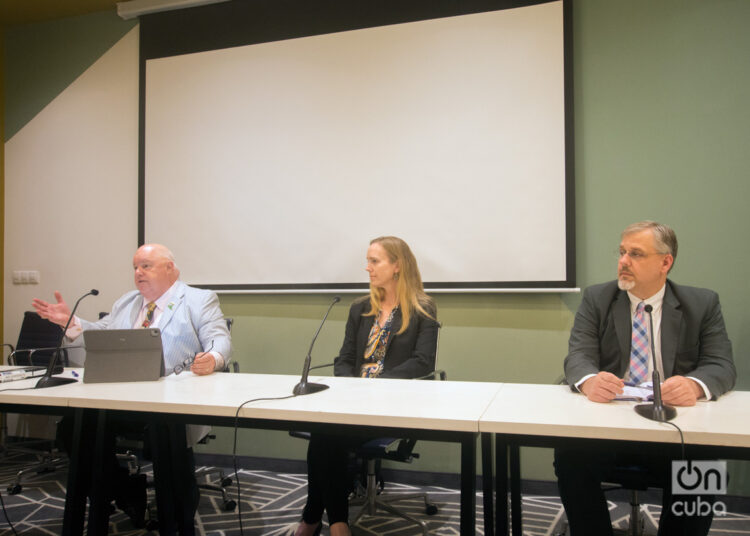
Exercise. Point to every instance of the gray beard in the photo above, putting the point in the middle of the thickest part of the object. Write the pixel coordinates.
(624, 284)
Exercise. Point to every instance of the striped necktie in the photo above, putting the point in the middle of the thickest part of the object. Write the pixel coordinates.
(149, 315)
(639, 347)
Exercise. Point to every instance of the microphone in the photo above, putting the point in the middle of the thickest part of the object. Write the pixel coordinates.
(304, 388)
(52, 368)
(656, 411)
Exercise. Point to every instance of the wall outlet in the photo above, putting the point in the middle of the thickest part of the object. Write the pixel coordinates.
(26, 277)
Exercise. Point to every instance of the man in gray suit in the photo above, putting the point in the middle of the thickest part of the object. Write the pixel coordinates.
(693, 354)
(190, 321)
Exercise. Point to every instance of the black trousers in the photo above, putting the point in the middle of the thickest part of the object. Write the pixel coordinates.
(329, 479)
(174, 466)
(580, 472)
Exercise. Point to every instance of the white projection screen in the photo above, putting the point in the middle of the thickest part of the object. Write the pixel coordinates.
(271, 165)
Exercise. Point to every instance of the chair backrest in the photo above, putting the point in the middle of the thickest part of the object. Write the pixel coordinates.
(438, 373)
(231, 366)
(37, 332)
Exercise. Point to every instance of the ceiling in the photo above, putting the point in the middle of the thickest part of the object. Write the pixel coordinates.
(27, 11)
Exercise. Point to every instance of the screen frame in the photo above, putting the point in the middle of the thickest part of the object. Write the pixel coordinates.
(239, 23)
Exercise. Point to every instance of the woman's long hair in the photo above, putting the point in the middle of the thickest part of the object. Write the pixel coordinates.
(410, 293)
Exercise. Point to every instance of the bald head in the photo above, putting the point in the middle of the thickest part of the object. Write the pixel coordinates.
(155, 270)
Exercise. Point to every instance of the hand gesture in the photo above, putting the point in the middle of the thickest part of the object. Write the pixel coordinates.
(57, 313)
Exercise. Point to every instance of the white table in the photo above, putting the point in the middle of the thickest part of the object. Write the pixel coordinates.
(434, 410)
(552, 415)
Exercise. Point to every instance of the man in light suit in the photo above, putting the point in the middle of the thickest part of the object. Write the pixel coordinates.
(693, 354)
(190, 321)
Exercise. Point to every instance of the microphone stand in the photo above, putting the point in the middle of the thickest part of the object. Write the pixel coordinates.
(303, 387)
(47, 380)
(656, 411)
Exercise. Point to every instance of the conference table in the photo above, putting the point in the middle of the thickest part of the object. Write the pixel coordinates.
(553, 415)
(431, 410)
(514, 415)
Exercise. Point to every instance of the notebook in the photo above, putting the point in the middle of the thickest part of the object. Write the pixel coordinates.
(21, 373)
(123, 355)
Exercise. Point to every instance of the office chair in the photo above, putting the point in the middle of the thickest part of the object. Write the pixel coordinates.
(371, 495)
(37, 340)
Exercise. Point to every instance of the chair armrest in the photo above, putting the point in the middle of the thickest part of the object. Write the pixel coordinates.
(434, 375)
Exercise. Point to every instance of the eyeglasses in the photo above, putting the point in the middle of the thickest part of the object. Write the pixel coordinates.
(189, 361)
(635, 255)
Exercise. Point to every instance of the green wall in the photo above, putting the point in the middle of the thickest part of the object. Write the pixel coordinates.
(662, 126)
(43, 59)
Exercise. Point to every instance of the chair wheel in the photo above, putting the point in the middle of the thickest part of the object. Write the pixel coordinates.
(226, 482)
(14, 489)
(431, 509)
(229, 505)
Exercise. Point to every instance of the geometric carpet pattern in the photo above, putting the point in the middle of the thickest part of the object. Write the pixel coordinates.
(272, 504)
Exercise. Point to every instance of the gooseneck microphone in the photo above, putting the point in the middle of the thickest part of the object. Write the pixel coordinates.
(47, 380)
(656, 411)
(304, 388)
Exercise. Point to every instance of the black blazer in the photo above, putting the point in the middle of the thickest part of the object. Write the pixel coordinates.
(410, 354)
(694, 340)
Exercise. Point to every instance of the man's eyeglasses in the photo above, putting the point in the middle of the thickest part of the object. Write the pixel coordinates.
(189, 361)
(635, 255)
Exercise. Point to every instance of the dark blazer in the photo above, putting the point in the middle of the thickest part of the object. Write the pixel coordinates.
(694, 340)
(408, 355)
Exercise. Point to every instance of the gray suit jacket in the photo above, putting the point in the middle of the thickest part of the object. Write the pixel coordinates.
(694, 339)
(190, 322)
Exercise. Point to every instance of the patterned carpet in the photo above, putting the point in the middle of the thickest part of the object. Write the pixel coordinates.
(272, 502)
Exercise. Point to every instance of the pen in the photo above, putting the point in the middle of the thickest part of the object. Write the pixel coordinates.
(74, 373)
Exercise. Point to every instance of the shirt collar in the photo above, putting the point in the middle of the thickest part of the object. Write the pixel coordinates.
(654, 301)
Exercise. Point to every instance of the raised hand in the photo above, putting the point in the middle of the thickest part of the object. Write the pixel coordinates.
(57, 313)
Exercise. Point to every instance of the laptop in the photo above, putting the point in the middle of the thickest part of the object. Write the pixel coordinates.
(123, 355)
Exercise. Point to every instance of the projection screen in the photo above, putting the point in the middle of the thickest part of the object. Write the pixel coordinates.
(271, 165)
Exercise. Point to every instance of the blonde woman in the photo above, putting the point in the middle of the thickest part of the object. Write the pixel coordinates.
(392, 333)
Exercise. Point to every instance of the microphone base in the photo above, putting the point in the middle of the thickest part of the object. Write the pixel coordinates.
(304, 388)
(665, 413)
(50, 381)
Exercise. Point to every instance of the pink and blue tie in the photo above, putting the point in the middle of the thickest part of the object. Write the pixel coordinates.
(639, 347)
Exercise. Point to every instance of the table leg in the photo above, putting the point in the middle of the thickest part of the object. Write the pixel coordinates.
(169, 451)
(101, 475)
(501, 487)
(468, 484)
(516, 508)
(75, 498)
(487, 485)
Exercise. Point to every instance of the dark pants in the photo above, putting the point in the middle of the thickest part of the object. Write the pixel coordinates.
(328, 477)
(164, 444)
(580, 473)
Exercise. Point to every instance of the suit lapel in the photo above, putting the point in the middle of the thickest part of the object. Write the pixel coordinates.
(395, 326)
(671, 318)
(623, 328)
(364, 334)
(172, 305)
